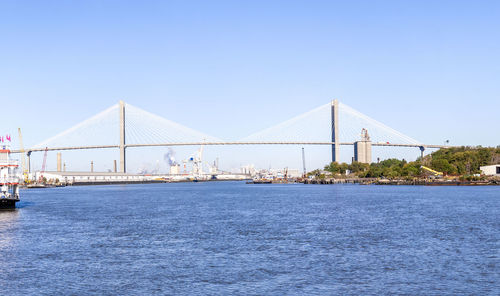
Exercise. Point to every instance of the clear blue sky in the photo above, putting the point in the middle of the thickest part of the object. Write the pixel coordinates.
(430, 69)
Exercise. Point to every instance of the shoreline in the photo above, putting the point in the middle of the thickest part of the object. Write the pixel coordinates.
(90, 183)
(360, 181)
(363, 181)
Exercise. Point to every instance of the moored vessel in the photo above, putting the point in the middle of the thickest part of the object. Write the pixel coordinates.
(9, 180)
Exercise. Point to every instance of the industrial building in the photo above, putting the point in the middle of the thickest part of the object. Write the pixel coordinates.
(363, 148)
(75, 178)
(491, 170)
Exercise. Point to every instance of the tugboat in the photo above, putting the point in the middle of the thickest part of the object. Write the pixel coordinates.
(9, 181)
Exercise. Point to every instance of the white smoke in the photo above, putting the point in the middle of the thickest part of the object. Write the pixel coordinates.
(170, 157)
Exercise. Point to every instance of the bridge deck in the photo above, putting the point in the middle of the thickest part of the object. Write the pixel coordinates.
(223, 143)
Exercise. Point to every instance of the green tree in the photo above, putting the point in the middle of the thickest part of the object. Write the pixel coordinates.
(442, 165)
(411, 169)
(457, 160)
(357, 167)
(343, 168)
(316, 173)
(336, 168)
(333, 168)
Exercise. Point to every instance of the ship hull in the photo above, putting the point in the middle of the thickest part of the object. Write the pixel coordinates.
(8, 203)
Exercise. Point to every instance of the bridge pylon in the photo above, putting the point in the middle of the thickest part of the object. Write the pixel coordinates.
(123, 164)
(335, 131)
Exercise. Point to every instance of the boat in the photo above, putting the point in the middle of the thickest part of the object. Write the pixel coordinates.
(9, 180)
(42, 185)
(260, 181)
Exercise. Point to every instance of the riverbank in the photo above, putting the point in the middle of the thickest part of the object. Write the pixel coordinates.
(119, 182)
(437, 183)
(422, 182)
(327, 181)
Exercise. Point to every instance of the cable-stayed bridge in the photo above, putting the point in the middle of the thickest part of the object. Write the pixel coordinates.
(124, 126)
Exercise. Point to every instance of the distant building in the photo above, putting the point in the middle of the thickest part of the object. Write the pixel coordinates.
(491, 170)
(248, 170)
(294, 173)
(363, 148)
(175, 169)
(91, 177)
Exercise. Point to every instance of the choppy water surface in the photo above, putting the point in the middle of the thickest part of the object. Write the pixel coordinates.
(234, 238)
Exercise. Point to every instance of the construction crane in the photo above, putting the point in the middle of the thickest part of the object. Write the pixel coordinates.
(23, 157)
(43, 164)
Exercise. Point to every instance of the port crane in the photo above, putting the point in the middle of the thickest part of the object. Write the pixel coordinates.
(197, 162)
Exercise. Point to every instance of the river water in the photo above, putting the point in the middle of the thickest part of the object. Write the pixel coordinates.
(232, 238)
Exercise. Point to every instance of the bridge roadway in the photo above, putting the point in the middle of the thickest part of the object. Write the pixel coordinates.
(425, 146)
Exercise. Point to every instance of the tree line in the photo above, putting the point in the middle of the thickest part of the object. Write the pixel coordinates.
(457, 161)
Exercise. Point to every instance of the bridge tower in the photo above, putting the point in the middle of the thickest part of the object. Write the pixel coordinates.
(335, 131)
(123, 165)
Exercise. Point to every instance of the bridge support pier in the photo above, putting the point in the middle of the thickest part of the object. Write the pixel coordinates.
(335, 131)
(59, 161)
(28, 154)
(123, 164)
(422, 149)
